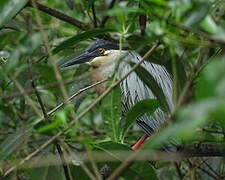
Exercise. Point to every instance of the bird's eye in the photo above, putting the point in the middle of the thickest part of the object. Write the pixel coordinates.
(101, 50)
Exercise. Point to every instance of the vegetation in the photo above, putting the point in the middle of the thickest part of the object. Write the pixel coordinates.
(53, 125)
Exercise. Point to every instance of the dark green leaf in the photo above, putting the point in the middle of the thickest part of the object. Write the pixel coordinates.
(149, 80)
(47, 172)
(209, 79)
(70, 4)
(111, 113)
(80, 37)
(139, 109)
(13, 141)
(139, 170)
(9, 8)
(198, 13)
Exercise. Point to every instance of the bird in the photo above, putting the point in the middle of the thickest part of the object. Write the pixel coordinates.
(106, 58)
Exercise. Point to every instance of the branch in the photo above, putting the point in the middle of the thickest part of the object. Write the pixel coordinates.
(51, 85)
(105, 18)
(94, 15)
(59, 15)
(202, 150)
(35, 90)
(63, 160)
(128, 157)
(190, 29)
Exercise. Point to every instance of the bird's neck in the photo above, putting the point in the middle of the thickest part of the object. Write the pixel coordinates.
(104, 67)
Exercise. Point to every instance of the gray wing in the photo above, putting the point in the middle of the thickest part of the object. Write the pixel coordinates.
(134, 90)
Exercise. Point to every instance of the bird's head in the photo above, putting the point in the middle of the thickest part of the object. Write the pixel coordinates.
(100, 52)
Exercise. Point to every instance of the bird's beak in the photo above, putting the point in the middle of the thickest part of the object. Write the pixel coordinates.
(85, 57)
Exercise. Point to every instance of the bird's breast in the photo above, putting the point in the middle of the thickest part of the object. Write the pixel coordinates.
(100, 72)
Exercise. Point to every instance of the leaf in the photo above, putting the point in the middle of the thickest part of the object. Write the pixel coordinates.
(45, 173)
(26, 47)
(145, 170)
(139, 170)
(209, 25)
(120, 10)
(111, 112)
(179, 77)
(209, 79)
(198, 13)
(9, 8)
(60, 119)
(139, 109)
(13, 141)
(17, 25)
(189, 119)
(70, 4)
(13, 60)
(80, 37)
(149, 80)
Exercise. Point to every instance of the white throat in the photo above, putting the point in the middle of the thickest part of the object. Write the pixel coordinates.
(105, 65)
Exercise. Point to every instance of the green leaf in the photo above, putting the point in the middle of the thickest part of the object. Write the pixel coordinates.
(145, 170)
(17, 25)
(149, 80)
(9, 8)
(189, 119)
(47, 172)
(209, 25)
(158, 2)
(80, 37)
(209, 79)
(179, 77)
(139, 109)
(139, 170)
(111, 113)
(60, 119)
(13, 141)
(198, 13)
(119, 10)
(13, 61)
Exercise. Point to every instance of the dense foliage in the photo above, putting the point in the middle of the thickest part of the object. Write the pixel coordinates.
(53, 125)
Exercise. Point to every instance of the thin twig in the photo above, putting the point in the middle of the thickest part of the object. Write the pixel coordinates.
(109, 156)
(36, 92)
(94, 15)
(94, 166)
(180, 175)
(212, 131)
(51, 85)
(106, 92)
(208, 173)
(74, 95)
(105, 18)
(211, 169)
(124, 166)
(59, 15)
(55, 68)
(63, 160)
(28, 99)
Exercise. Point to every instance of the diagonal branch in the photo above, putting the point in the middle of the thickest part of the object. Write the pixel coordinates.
(59, 15)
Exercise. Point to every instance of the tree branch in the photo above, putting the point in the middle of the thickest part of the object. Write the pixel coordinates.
(105, 18)
(59, 15)
(63, 160)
